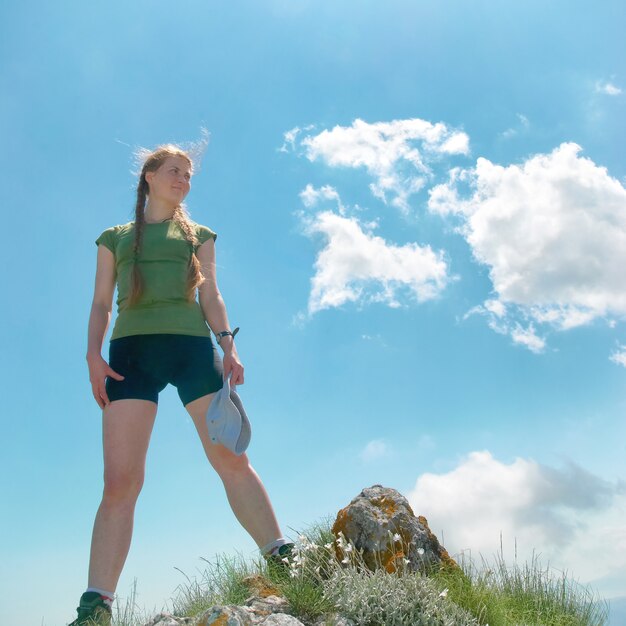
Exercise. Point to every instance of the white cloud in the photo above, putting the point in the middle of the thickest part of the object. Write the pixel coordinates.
(619, 356)
(397, 154)
(357, 266)
(552, 232)
(495, 307)
(290, 137)
(608, 88)
(527, 337)
(375, 449)
(311, 196)
(498, 320)
(573, 518)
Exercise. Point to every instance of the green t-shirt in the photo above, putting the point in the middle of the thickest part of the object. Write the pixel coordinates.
(164, 263)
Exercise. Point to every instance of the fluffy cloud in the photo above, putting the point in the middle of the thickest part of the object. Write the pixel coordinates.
(311, 196)
(397, 154)
(357, 266)
(573, 518)
(552, 232)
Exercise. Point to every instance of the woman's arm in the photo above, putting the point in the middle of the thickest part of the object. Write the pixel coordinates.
(214, 311)
(99, 319)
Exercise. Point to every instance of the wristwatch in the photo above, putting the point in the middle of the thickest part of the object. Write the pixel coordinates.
(225, 333)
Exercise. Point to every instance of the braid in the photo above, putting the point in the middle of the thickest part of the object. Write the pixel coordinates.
(194, 275)
(136, 279)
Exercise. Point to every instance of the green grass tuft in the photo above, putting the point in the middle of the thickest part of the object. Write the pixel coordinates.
(522, 594)
(315, 583)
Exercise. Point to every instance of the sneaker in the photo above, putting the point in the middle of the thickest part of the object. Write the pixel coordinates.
(277, 560)
(92, 611)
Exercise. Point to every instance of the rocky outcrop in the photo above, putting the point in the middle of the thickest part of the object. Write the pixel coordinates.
(381, 525)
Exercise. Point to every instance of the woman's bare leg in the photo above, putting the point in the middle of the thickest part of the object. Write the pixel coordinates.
(244, 489)
(126, 426)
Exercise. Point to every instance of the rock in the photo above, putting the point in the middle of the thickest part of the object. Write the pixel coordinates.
(260, 586)
(267, 605)
(258, 610)
(383, 528)
(166, 619)
(226, 615)
(281, 619)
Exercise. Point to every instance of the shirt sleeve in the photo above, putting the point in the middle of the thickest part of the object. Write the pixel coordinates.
(108, 238)
(204, 234)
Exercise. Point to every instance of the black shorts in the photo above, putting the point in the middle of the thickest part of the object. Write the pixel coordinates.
(149, 362)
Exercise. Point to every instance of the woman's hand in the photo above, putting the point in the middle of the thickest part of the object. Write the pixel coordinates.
(233, 364)
(98, 371)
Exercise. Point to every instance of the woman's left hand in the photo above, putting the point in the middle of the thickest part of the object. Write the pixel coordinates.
(233, 364)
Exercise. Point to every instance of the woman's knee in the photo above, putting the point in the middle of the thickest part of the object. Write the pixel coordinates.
(122, 488)
(227, 464)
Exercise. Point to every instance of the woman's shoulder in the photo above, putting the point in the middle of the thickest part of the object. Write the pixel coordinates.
(110, 236)
(203, 233)
(119, 228)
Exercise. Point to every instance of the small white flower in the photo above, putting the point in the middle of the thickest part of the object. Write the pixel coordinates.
(444, 593)
(406, 561)
(328, 546)
(420, 551)
(397, 537)
(349, 548)
(346, 560)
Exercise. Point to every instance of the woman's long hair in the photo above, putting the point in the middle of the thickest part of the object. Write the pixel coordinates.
(153, 160)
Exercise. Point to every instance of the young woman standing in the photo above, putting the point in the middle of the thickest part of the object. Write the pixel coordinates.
(159, 262)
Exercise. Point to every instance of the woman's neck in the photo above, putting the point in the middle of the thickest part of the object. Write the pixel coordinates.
(158, 212)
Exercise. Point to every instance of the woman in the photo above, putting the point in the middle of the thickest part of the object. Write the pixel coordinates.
(161, 336)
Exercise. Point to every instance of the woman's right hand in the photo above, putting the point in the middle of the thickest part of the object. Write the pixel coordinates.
(98, 371)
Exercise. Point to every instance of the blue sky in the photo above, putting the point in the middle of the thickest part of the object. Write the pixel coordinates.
(421, 221)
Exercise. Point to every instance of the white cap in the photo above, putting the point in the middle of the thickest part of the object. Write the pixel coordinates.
(227, 421)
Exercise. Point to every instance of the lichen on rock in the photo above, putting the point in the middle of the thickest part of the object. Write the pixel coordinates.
(381, 525)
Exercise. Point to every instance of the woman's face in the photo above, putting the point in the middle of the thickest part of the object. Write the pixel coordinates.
(172, 181)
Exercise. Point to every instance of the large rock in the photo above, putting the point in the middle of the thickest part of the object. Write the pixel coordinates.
(383, 528)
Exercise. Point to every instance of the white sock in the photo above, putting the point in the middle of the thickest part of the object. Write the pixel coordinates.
(107, 596)
(273, 547)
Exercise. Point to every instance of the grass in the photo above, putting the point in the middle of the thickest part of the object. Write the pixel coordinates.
(530, 594)
(316, 583)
